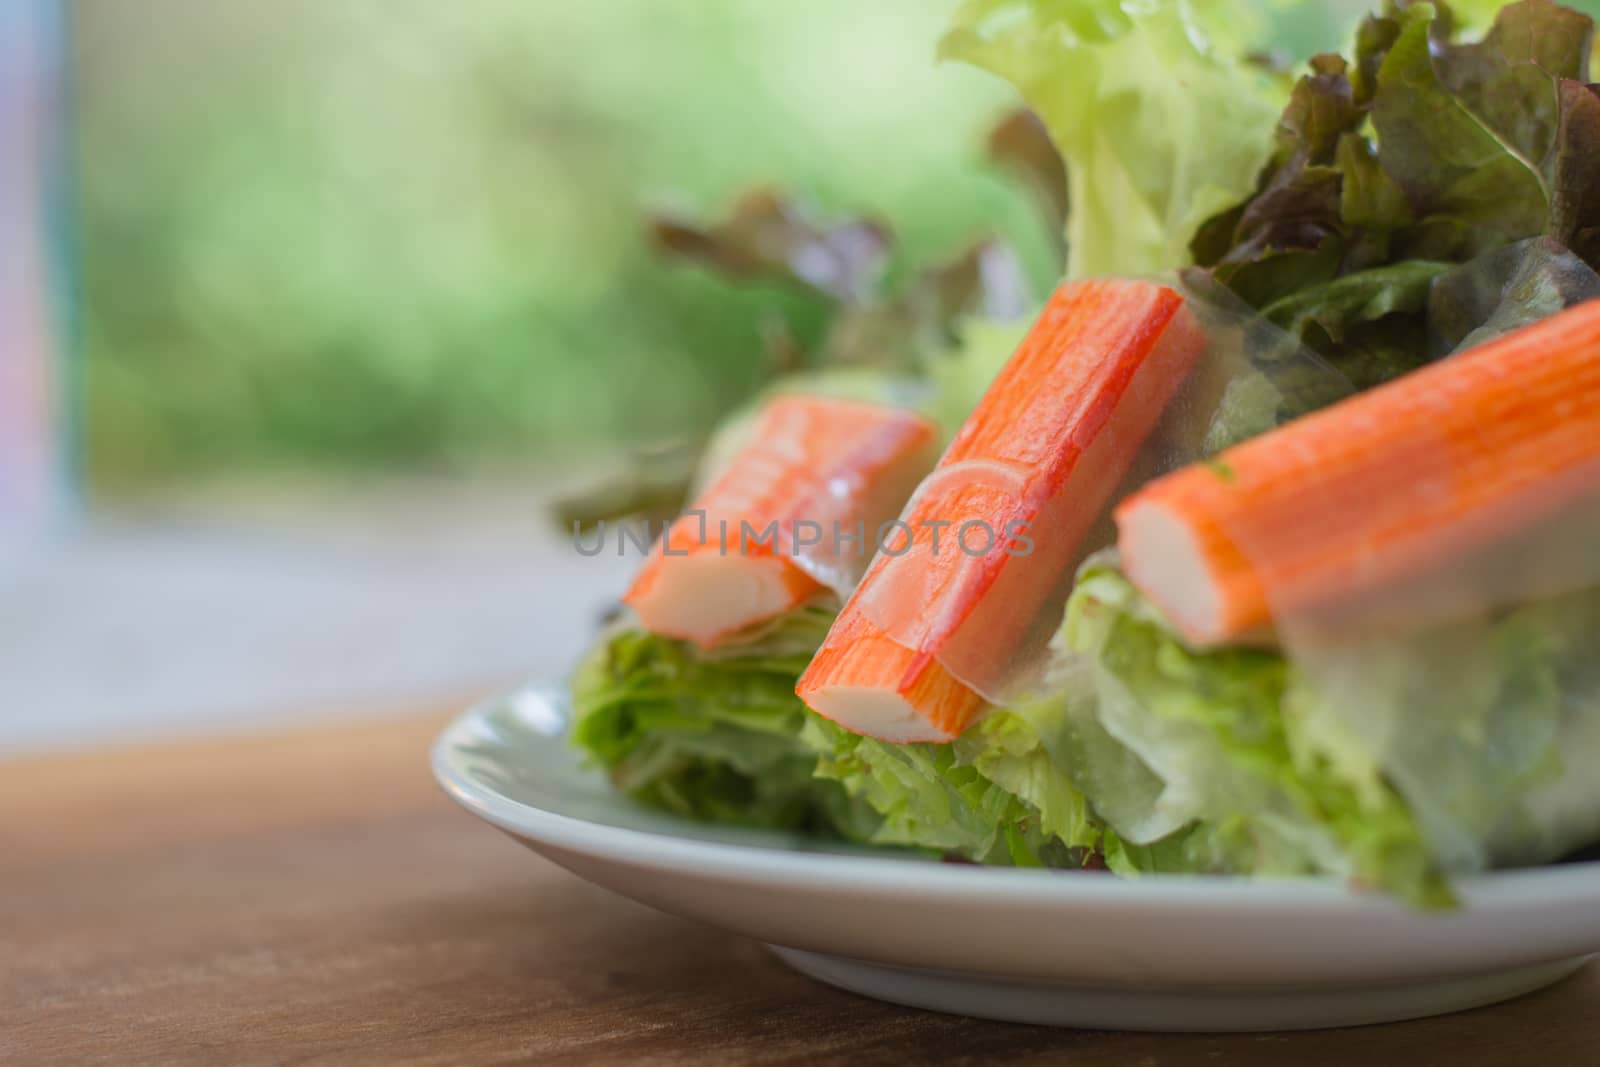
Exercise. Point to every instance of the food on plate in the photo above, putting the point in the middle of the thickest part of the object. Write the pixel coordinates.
(712, 735)
(693, 707)
(1305, 453)
(788, 518)
(1365, 643)
(931, 628)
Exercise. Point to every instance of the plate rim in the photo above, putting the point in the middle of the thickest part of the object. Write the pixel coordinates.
(1519, 888)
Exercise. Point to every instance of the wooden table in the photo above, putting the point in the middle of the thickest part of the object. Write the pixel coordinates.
(312, 898)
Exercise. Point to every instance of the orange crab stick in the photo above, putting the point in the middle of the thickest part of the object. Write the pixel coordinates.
(1423, 470)
(935, 624)
(785, 519)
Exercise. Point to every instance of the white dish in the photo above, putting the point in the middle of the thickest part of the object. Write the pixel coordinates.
(1071, 949)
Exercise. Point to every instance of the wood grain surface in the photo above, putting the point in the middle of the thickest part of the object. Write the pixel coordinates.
(312, 898)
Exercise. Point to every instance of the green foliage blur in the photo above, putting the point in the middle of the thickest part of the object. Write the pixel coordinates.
(366, 234)
(406, 233)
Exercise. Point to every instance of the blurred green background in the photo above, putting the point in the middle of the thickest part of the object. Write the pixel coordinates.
(404, 232)
(408, 234)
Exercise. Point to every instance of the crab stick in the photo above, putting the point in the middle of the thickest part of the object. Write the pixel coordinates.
(1383, 486)
(785, 518)
(992, 535)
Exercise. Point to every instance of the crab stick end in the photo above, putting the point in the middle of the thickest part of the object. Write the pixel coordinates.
(705, 597)
(872, 685)
(1171, 562)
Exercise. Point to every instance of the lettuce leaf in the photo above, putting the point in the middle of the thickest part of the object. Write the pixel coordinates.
(1161, 121)
(993, 796)
(1476, 724)
(1219, 731)
(712, 736)
(1394, 762)
(1462, 128)
(1421, 153)
(1572, 171)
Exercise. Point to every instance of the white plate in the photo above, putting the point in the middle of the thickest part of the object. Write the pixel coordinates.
(1072, 949)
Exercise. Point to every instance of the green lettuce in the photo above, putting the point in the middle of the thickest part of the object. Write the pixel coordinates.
(1219, 731)
(993, 796)
(712, 736)
(1395, 762)
(1160, 119)
(1486, 726)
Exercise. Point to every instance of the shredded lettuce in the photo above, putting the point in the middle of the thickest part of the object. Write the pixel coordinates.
(994, 796)
(1478, 724)
(1161, 120)
(999, 794)
(722, 737)
(1394, 762)
(712, 736)
(1220, 732)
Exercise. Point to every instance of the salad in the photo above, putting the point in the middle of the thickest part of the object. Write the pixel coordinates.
(1271, 548)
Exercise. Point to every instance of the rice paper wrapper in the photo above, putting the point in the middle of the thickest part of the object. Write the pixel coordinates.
(1463, 668)
(1499, 291)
